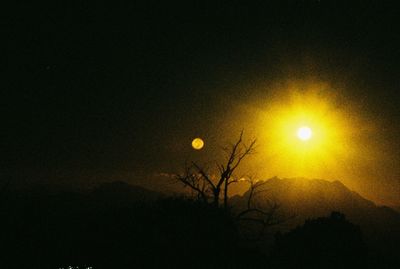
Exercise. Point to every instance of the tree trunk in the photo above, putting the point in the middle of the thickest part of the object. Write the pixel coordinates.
(226, 194)
(216, 197)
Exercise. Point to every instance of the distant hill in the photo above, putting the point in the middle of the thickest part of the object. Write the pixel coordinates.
(312, 198)
(108, 194)
(122, 193)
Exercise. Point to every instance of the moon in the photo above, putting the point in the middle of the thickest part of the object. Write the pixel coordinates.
(197, 143)
(304, 133)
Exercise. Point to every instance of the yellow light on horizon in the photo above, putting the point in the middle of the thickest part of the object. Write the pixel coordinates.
(304, 133)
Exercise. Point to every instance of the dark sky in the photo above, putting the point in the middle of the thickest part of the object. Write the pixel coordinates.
(92, 90)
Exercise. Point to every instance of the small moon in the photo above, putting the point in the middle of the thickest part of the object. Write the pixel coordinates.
(197, 143)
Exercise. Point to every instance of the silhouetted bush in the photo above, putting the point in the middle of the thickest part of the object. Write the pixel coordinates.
(328, 242)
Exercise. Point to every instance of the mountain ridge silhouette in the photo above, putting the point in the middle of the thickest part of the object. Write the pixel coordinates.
(312, 198)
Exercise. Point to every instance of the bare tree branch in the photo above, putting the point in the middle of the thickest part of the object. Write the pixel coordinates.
(204, 174)
(199, 180)
(194, 182)
(258, 214)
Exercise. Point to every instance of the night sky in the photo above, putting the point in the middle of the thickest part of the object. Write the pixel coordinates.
(93, 92)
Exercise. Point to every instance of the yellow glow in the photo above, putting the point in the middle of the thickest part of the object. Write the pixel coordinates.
(197, 143)
(304, 133)
(347, 142)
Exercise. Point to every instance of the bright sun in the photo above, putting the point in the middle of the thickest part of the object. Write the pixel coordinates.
(304, 133)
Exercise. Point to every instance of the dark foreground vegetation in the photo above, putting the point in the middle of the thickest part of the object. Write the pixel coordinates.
(113, 228)
(69, 229)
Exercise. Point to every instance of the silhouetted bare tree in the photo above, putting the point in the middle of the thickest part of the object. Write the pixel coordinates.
(212, 189)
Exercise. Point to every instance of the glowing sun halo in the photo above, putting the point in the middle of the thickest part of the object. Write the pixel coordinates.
(304, 133)
(197, 143)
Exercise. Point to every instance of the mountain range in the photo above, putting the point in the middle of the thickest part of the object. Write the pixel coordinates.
(304, 199)
(300, 199)
(310, 198)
